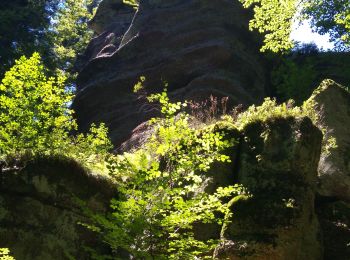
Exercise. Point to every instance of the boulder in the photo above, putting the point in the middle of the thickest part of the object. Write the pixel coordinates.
(333, 108)
(276, 219)
(199, 47)
(42, 205)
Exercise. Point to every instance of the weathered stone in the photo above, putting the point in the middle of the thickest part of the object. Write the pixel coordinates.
(40, 210)
(278, 166)
(200, 47)
(223, 174)
(110, 22)
(333, 107)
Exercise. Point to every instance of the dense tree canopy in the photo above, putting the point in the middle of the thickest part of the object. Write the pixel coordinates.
(275, 18)
(331, 16)
(23, 26)
(57, 29)
(70, 33)
(33, 108)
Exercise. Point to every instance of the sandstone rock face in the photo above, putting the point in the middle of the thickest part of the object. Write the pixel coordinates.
(110, 22)
(278, 165)
(39, 213)
(200, 47)
(333, 107)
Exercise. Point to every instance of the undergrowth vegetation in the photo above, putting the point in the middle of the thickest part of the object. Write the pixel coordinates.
(162, 196)
(161, 186)
(270, 109)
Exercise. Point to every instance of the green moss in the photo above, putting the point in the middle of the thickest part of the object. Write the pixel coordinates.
(270, 110)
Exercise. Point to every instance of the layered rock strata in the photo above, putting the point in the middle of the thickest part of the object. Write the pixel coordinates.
(199, 47)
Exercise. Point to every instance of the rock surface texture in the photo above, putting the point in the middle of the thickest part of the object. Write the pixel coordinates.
(297, 206)
(199, 47)
(278, 165)
(333, 106)
(275, 160)
(40, 212)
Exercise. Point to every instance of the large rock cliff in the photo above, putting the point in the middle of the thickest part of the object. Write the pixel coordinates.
(199, 47)
(299, 205)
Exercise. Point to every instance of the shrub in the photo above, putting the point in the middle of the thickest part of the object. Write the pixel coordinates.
(34, 112)
(35, 117)
(161, 190)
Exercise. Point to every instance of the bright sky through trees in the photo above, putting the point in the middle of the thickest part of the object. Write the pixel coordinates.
(304, 34)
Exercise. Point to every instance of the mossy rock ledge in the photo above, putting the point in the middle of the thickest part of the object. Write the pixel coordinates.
(278, 164)
(41, 207)
(275, 160)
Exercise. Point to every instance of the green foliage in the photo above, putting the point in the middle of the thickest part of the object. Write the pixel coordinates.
(70, 31)
(34, 110)
(274, 18)
(57, 29)
(161, 193)
(269, 109)
(23, 24)
(294, 81)
(35, 118)
(295, 76)
(5, 254)
(90, 149)
(332, 16)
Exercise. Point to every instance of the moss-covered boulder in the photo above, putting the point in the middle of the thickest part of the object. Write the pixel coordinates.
(40, 209)
(276, 220)
(333, 107)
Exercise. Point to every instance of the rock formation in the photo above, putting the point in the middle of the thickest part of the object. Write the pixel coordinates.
(333, 107)
(40, 210)
(199, 47)
(278, 165)
(276, 161)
